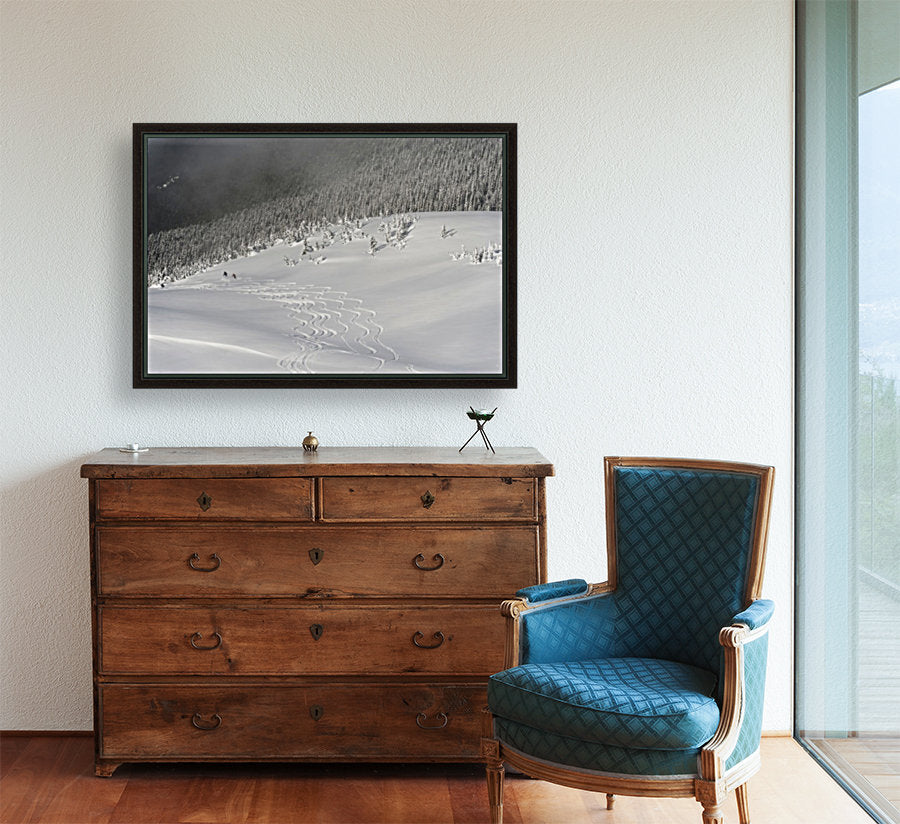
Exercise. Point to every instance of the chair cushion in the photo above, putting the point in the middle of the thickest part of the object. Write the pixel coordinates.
(591, 755)
(640, 703)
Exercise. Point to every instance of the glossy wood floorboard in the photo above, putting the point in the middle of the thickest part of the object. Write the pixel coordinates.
(49, 780)
(871, 765)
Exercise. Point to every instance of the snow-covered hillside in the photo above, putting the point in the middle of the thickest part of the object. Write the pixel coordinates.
(331, 306)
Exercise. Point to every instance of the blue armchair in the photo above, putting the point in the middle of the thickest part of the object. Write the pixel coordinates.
(650, 684)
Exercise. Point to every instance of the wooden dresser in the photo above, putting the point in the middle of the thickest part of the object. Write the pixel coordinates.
(256, 604)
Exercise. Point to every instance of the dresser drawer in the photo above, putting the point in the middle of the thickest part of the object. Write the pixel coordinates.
(207, 499)
(379, 722)
(320, 640)
(383, 561)
(428, 499)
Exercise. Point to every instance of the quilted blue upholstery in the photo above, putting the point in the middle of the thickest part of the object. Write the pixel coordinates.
(683, 546)
(683, 538)
(591, 755)
(583, 628)
(630, 681)
(627, 702)
(755, 657)
(555, 589)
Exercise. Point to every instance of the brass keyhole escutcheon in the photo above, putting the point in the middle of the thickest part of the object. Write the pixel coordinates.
(316, 631)
(316, 712)
(205, 501)
(427, 499)
(316, 555)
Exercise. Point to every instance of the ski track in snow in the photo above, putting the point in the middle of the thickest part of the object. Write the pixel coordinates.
(327, 321)
(194, 342)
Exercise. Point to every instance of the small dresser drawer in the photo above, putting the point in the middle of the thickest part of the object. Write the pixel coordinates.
(305, 640)
(314, 561)
(429, 499)
(317, 722)
(207, 499)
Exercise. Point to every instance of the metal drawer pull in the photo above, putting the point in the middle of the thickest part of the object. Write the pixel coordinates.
(197, 636)
(427, 499)
(200, 724)
(438, 636)
(441, 718)
(417, 562)
(215, 558)
(205, 501)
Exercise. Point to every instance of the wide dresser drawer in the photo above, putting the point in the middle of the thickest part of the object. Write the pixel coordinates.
(314, 561)
(307, 640)
(264, 721)
(429, 499)
(206, 499)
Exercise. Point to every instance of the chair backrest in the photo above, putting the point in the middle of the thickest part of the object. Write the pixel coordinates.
(686, 545)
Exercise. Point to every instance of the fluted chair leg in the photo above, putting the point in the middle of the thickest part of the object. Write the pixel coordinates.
(610, 800)
(743, 803)
(495, 773)
(713, 814)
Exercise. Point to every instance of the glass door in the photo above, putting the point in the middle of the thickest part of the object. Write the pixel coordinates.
(848, 394)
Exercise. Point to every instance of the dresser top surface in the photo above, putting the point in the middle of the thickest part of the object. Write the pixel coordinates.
(277, 461)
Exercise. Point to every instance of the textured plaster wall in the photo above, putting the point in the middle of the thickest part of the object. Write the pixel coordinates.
(655, 285)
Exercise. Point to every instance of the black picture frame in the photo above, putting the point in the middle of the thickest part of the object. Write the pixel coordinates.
(201, 191)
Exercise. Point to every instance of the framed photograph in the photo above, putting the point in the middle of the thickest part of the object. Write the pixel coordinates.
(325, 255)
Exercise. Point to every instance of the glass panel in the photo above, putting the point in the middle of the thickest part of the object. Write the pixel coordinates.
(848, 394)
(878, 411)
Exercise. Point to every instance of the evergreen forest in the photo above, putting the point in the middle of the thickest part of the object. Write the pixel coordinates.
(250, 199)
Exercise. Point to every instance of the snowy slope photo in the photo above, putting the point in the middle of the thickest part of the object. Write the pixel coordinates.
(290, 256)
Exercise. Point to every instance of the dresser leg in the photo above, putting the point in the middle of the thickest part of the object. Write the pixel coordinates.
(104, 769)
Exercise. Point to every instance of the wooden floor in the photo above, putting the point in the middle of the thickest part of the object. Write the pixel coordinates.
(877, 659)
(49, 779)
(871, 765)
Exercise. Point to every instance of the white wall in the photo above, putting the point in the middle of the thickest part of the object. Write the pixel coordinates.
(655, 285)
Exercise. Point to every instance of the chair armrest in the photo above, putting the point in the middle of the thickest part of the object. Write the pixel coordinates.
(745, 647)
(756, 615)
(537, 625)
(553, 590)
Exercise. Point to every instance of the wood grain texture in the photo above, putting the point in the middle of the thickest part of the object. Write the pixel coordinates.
(474, 561)
(246, 626)
(313, 722)
(429, 499)
(869, 764)
(228, 499)
(254, 640)
(270, 462)
(51, 780)
(47, 782)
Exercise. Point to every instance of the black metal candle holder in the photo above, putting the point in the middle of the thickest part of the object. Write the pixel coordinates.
(481, 418)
